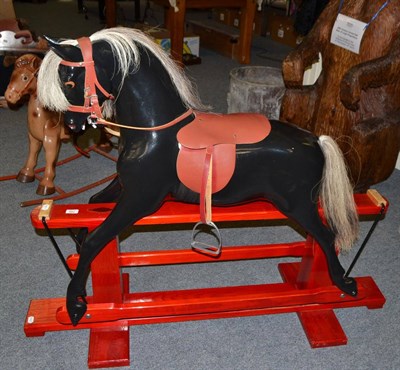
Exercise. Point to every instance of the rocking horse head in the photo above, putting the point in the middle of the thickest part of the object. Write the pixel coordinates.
(88, 78)
(79, 73)
(23, 80)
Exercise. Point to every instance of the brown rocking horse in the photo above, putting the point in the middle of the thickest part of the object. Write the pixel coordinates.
(44, 127)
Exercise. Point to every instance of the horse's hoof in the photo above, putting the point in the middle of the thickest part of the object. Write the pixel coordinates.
(106, 146)
(349, 286)
(76, 309)
(21, 177)
(45, 190)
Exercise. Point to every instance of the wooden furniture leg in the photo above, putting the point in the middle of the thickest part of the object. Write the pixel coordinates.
(111, 13)
(175, 23)
(137, 10)
(246, 31)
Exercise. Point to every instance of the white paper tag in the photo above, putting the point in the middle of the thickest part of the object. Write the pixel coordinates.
(72, 211)
(347, 33)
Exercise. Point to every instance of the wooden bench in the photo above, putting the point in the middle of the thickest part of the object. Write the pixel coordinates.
(175, 22)
(306, 288)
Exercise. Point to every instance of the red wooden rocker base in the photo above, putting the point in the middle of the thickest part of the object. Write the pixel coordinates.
(306, 290)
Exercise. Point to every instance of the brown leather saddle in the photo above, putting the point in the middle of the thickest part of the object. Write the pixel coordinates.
(207, 156)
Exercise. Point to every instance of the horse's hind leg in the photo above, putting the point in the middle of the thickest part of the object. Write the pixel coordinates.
(307, 216)
(27, 172)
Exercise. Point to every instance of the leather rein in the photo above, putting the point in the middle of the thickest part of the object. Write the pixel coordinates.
(91, 103)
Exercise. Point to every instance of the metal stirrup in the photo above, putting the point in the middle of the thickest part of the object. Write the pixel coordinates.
(206, 248)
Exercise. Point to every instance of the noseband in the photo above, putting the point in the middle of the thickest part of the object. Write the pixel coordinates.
(91, 103)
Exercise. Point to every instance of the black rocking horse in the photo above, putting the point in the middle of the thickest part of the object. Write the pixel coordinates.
(121, 73)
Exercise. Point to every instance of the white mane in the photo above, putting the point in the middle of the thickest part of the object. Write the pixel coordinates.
(123, 42)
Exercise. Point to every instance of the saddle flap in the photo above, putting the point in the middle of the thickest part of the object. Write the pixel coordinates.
(212, 129)
(190, 164)
(221, 133)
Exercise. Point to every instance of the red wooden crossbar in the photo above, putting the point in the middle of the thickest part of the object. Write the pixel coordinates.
(172, 212)
(307, 288)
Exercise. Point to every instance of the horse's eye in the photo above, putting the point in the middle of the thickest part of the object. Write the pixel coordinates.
(70, 84)
(25, 78)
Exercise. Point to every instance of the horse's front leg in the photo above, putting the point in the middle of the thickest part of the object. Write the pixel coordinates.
(130, 208)
(27, 172)
(109, 194)
(51, 144)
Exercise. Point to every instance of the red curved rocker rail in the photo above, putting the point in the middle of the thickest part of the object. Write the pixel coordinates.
(60, 192)
(307, 288)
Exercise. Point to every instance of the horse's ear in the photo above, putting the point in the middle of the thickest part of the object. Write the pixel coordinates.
(66, 52)
(36, 62)
(9, 60)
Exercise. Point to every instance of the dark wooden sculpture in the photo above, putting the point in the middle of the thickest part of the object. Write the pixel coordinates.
(356, 99)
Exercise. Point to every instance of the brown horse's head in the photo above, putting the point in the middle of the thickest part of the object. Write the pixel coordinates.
(23, 80)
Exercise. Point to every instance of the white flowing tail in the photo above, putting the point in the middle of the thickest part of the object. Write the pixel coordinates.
(336, 196)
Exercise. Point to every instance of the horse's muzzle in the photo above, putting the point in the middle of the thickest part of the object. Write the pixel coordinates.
(12, 96)
(73, 126)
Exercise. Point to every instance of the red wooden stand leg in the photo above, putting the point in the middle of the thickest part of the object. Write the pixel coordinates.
(108, 347)
(321, 326)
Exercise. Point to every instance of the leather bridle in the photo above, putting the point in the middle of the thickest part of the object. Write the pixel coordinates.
(91, 103)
